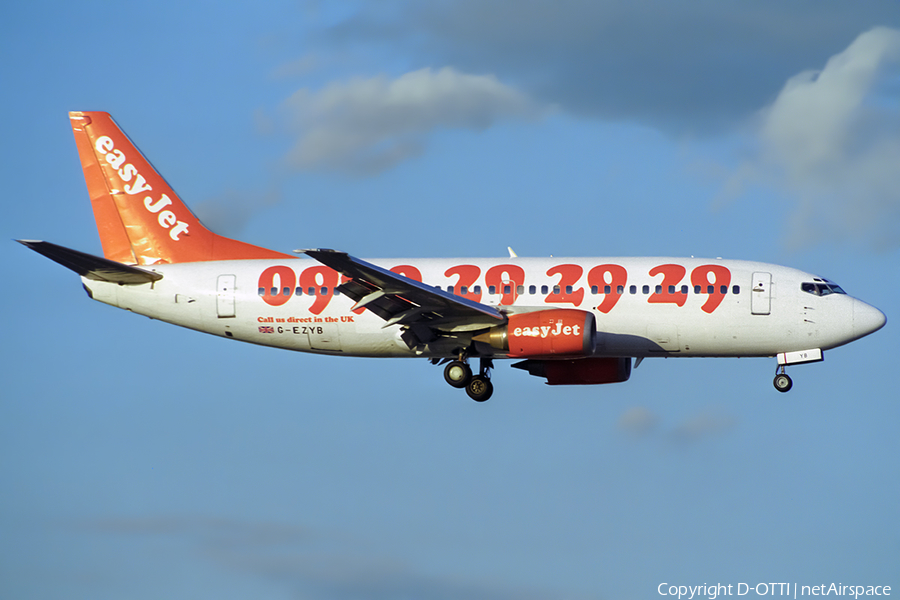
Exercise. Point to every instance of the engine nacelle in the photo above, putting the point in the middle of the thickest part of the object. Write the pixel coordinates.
(583, 371)
(554, 332)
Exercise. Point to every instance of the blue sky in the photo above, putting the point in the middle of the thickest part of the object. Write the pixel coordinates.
(140, 460)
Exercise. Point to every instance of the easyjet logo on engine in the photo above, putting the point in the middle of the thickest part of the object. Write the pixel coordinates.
(126, 172)
(544, 330)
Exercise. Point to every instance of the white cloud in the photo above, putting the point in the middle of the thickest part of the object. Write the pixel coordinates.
(831, 139)
(691, 68)
(638, 420)
(368, 125)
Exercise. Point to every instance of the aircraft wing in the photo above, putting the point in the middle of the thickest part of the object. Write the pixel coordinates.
(422, 309)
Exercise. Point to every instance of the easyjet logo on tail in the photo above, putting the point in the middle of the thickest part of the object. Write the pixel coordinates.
(128, 172)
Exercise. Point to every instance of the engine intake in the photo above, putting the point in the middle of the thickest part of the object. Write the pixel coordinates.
(555, 332)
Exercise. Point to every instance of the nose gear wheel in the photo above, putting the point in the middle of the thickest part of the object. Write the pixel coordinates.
(782, 381)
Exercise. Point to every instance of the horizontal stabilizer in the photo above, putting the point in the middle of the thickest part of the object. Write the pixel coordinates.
(92, 267)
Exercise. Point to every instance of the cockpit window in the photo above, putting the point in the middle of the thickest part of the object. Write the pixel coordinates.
(821, 287)
(835, 287)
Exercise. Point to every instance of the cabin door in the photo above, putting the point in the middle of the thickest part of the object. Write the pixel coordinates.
(225, 296)
(761, 294)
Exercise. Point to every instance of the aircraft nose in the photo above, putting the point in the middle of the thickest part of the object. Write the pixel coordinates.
(866, 319)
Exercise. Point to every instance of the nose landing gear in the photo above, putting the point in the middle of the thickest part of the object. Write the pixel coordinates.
(782, 381)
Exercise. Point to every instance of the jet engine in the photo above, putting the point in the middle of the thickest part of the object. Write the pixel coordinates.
(554, 332)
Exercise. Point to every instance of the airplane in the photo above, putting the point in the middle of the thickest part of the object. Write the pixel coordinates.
(571, 321)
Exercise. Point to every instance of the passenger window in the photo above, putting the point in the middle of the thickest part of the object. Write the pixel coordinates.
(633, 289)
(556, 289)
(659, 289)
(544, 290)
(298, 291)
(684, 290)
(463, 290)
(671, 289)
(620, 290)
(476, 290)
(492, 289)
(336, 292)
(273, 291)
(520, 290)
(506, 289)
(723, 289)
(607, 289)
(311, 291)
(286, 291)
(736, 289)
(262, 291)
(324, 291)
(532, 290)
(710, 289)
(594, 290)
(646, 289)
(697, 289)
(569, 289)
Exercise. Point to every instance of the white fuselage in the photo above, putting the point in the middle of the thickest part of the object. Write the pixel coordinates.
(642, 306)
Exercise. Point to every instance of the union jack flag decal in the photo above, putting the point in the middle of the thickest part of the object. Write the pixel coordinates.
(266, 329)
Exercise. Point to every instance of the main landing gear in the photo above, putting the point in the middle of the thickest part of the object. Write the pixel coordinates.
(459, 375)
(782, 381)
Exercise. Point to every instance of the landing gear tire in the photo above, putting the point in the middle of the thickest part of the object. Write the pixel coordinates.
(457, 374)
(783, 382)
(480, 388)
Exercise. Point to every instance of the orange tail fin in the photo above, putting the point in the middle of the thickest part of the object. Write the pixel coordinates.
(141, 220)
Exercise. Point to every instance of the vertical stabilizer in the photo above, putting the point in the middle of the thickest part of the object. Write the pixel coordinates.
(140, 219)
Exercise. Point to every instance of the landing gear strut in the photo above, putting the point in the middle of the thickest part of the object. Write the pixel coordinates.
(459, 375)
(782, 381)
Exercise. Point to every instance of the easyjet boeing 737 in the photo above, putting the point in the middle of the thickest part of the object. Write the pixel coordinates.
(568, 320)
